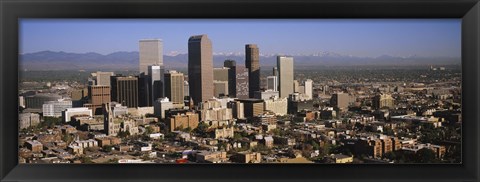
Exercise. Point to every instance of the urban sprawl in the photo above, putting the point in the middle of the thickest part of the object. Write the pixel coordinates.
(235, 114)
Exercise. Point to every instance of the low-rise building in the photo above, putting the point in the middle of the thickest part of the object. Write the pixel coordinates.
(211, 157)
(247, 157)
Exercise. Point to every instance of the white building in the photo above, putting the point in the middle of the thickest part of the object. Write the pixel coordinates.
(308, 89)
(161, 105)
(55, 108)
(285, 76)
(267, 94)
(277, 105)
(68, 113)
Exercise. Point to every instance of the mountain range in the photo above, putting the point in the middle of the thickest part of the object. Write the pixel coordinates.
(50, 60)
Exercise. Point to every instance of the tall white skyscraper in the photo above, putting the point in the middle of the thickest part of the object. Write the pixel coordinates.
(272, 83)
(151, 53)
(309, 89)
(285, 75)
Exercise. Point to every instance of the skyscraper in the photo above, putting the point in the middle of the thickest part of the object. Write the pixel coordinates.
(151, 53)
(155, 83)
(309, 89)
(252, 62)
(103, 78)
(125, 90)
(237, 80)
(97, 96)
(174, 83)
(200, 68)
(285, 75)
(272, 83)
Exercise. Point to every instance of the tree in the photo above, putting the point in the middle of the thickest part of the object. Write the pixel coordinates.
(425, 156)
(107, 148)
(148, 130)
(202, 129)
(86, 160)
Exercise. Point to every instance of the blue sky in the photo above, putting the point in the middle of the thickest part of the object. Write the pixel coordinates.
(366, 37)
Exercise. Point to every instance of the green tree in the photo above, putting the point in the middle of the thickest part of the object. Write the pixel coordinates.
(202, 129)
(425, 156)
(107, 148)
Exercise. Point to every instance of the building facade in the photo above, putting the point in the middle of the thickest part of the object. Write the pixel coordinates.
(125, 90)
(200, 68)
(151, 53)
(174, 86)
(252, 62)
(285, 75)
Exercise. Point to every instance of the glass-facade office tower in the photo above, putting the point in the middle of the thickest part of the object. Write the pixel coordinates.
(200, 68)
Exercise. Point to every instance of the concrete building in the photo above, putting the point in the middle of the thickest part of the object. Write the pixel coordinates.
(160, 106)
(252, 62)
(200, 68)
(252, 107)
(285, 75)
(308, 86)
(55, 108)
(182, 121)
(241, 83)
(103, 78)
(26, 120)
(155, 85)
(272, 83)
(220, 88)
(34, 145)
(279, 106)
(216, 114)
(220, 74)
(125, 90)
(247, 157)
(267, 94)
(78, 111)
(341, 159)
(151, 53)
(98, 95)
(211, 157)
(186, 88)
(341, 100)
(223, 133)
(296, 86)
(36, 101)
(383, 101)
(237, 109)
(174, 86)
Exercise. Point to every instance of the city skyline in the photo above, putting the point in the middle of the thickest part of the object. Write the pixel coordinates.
(363, 38)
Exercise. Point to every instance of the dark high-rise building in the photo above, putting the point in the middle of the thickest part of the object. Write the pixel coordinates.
(143, 91)
(200, 68)
(237, 80)
(125, 90)
(98, 95)
(252, 62)
(174, 84)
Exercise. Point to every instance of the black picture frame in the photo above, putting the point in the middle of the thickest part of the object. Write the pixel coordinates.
(12, 10)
